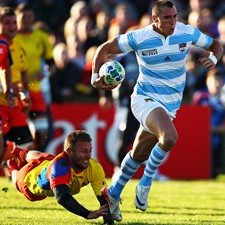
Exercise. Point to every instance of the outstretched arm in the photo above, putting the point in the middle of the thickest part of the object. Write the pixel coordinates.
(64, 198)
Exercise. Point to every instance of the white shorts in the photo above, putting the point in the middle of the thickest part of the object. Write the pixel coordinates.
(141, 106)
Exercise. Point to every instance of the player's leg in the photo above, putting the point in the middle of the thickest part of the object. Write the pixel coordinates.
(128, 168)
(25, 155)
(13, 170)
(130, 165)
(19, 132)
(159, 123)
(18, 135)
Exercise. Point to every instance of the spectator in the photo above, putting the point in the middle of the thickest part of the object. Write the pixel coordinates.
(212, 97)
(66, 76)
(83, 87)
(14, 119)
(205, 21)
(38, 49)
(84, 33)
(221, 38)
(102, 25)
(125, 16)
(77, 11)
(198, 5)
(196, 74)
(8, 118)
(75, 51)
(54, 13)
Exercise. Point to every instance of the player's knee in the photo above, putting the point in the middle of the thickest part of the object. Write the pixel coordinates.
(169, 140)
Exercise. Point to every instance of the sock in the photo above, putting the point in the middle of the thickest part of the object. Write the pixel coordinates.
(155, 159)
(12, 165)
(127, 170)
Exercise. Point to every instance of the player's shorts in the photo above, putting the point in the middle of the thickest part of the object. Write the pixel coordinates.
(20, 135)
(141, 106)
(21, 186)
(38, 103)
(12, 117)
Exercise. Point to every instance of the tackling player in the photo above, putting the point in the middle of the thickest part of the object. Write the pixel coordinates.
(62, 175)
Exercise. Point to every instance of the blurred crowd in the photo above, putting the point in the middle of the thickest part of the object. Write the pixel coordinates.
(74, 30)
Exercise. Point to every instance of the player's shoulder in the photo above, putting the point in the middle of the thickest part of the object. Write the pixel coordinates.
(94, 162)
(61, 159)
(95, 170)
(184, 28)
(38, 32)
(17, 43)
(3, 40)
(95, 165)
(142, 31)
(142, 34)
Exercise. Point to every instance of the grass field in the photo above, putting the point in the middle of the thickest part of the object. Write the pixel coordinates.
(171, 203)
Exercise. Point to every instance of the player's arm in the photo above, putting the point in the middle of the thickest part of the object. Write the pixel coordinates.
(7, 77)
(107, 218)
(64, 198)
(102, 53)
(25, 80)
(9, 93)
(216, 51)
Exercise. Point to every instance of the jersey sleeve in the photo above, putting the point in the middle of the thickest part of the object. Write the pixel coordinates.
(125, 42)
(98, 178)
(5, 56)
(59, 172)
(200, 39)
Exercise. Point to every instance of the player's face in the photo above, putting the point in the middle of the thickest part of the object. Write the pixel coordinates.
(9, 27)
(25, 20)
(165, 23)
(81, 155)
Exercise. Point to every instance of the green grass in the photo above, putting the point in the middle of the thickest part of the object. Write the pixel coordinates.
(171, 203)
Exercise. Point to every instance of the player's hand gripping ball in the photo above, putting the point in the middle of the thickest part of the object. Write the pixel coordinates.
(113, 72)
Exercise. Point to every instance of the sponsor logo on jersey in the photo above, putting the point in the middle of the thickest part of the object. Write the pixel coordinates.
(167, 59)
(150, 52)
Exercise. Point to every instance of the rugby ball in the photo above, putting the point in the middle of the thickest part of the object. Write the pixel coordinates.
(113, 72)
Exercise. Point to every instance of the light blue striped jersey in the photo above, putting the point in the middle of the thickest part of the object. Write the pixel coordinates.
(161, 61)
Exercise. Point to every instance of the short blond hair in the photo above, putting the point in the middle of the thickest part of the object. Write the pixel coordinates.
(74, 137)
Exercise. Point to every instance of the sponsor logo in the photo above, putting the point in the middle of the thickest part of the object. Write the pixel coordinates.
(139, 202)
(167, 59)
(150, 52)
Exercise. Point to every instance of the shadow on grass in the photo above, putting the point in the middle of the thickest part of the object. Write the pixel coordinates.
(206, 222)
(34, 208)
(181, 213)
